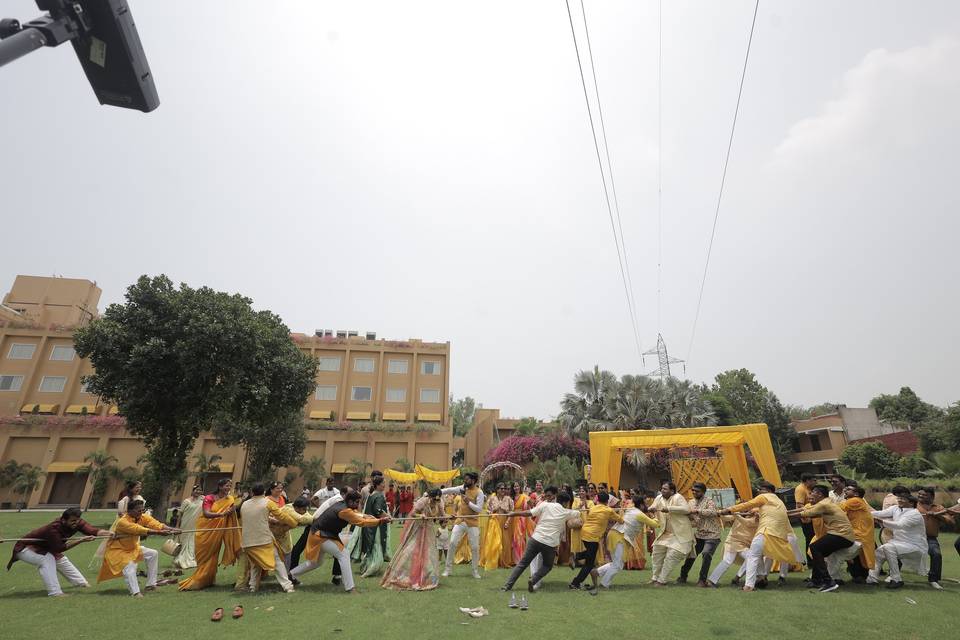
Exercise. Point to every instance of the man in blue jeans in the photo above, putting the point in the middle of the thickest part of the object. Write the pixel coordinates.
(934, 515)
(706, 525)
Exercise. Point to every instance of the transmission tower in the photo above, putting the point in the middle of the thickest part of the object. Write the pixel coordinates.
(664, 360)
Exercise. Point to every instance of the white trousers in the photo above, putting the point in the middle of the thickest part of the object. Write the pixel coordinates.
(665, 560)
(280, 570)
(612, 568)
(48, 566)
(729, 557)
(342, 556)
(756, 564)
(839, 558)
(473, 538)
(888, 552)
(152, 559)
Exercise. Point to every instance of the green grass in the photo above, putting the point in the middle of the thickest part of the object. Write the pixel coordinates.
(319, 610)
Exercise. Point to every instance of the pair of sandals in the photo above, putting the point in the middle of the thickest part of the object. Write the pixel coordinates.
(218, 613)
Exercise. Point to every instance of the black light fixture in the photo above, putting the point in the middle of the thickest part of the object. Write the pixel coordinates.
(105, 39)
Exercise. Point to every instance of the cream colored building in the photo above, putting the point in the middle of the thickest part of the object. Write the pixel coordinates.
(375, 400)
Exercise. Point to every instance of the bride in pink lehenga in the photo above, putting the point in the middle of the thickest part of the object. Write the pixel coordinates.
(416, 563)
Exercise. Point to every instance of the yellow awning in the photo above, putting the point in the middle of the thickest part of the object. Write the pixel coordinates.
(437, 477)
(63, 467)
(358, 415)
(78, 409)
(224, 467)
(428, 417)
(41, 408)
(114, 410)
(339, 467)
(320, 415)
(401, 476)
(395, 416)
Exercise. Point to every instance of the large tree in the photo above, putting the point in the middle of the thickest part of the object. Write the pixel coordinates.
(874, 459)
(752, 402)
(462, 412)
(178, 361)
(905, 407)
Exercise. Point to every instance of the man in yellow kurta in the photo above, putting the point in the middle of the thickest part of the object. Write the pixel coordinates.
(123, 551)
(676, 537)
(257, 541)
(858, 512)
(466, 523)
(774, 538)
(594, 526)
(735, 548)
(833, 536)
(289, 517)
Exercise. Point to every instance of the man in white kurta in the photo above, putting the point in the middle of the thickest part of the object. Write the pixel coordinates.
(676, 537)
(620, 535)
(909, 543)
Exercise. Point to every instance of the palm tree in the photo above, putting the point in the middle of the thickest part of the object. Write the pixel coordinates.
(357, 470)
(312, 471)
(585, 409)
(101, 468)
(26, 482)
(404, 465)
(204, 466)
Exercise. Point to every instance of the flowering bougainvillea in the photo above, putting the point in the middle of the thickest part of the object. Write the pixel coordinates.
(523, 449)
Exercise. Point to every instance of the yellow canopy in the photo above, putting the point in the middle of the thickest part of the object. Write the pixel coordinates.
(422, 473)
(401, 476)
(437, 477)
(606, 450)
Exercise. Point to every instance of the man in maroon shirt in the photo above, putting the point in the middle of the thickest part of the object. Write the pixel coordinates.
(45, 548)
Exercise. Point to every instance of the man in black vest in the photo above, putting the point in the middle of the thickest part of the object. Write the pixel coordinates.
(325, 536)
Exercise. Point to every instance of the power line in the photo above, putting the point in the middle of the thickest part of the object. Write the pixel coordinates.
(606, 192)
(723, 180)
(659, 164)
(606, 148)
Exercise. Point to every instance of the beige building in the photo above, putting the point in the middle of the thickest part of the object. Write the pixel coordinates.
(822, 439)
(376, 400)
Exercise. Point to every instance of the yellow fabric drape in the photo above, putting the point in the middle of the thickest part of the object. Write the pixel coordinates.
(401, 476)
(709, 471)
(437, 477)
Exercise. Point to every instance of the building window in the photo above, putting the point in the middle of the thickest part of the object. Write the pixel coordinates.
(430, 395)
(361, 394)
(398, 366)
(363, 365)
(796, 446)
(84, 387)
(64, 353)
(430, 368)
(21, 351)
(329, 363)
(396, 395)
(10, 383)
(53, 384)
(326, 392)
(815, 443)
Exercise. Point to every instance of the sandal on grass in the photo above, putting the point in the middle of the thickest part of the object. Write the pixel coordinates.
(237, 612)
(217, 615)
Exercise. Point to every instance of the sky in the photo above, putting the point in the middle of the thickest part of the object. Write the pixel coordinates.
(426, 169)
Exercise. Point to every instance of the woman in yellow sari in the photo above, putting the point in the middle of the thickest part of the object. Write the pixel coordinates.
(498, 528)
(219, 514)
(520, 528)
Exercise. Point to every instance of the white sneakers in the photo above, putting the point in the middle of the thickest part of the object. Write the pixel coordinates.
(475, 612)
(476, 574)
(445, 574)
(936, 585)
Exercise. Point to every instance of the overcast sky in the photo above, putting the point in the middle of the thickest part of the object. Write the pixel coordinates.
(426, 169)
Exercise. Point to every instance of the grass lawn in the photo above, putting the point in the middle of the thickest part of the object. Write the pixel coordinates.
(318, 610)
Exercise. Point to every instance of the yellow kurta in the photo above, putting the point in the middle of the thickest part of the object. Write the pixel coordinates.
(858, 511)
(123, 550)
(774, 525)
(287, 520)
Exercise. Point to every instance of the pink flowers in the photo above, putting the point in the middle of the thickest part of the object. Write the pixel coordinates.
(523, 449)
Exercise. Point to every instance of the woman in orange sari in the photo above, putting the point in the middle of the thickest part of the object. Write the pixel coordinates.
(219, 514)
(520, 528)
